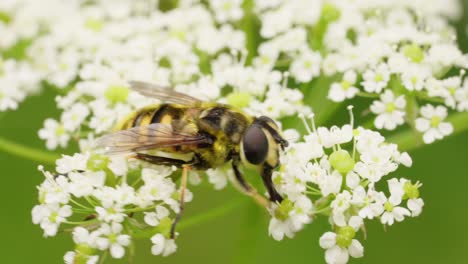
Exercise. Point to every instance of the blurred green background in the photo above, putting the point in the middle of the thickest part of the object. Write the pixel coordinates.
(439, 235)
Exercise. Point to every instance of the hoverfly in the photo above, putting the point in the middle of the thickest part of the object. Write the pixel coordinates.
(212, 134)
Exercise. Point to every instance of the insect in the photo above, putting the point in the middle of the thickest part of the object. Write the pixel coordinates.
(204, 134)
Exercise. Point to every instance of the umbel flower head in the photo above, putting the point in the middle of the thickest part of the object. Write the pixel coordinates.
(108, 202)
(334, 172)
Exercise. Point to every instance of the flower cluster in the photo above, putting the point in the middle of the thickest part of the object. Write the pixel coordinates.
(336, 173)
(400, 54)
(106, 201)
(265, 57)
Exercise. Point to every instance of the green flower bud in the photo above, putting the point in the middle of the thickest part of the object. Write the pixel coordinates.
(413, 52)
(282, 211)
(239, 99)
(411, 190)
(116, 94)
(330, 13)
(341, 161)
(344, 236)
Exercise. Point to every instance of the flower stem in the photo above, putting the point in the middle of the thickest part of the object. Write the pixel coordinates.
(407, 140)
(28, 152)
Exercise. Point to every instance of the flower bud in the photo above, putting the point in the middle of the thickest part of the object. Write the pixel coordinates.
(341, 161)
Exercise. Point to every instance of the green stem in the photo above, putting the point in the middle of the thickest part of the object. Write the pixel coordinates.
(368, 95)
(28, 152)
(407, 140)
(250, 25)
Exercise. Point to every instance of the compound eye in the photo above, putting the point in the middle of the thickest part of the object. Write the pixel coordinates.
(255, 145)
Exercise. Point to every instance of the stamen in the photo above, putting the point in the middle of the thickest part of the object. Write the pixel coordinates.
(351, 115)
(311, 117)
(304, 121)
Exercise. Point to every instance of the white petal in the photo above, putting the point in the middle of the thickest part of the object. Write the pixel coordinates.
(328, 240)
(117, 251)
(356, 250)
(446, 128)
(123, 240)
(336, 255)
(158, 244)
(356, 222)
(405, 159)
(387, 218)
(151, 218)
(422, 124)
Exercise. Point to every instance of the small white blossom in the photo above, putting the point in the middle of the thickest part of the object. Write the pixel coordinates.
(162, 246)
(390, 110)
(431, 123)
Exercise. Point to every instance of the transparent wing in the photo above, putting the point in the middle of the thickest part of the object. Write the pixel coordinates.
(164, 94)
(153, 136)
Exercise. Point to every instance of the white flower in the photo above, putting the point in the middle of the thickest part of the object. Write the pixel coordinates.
(227, 10)
(375, 81)
(431, 123)
(393, 212)
(162, 246)
(153, 218)
(335, 135)
(54, 191)
(83, 184)
(113, 239)
(345, 89)
(306, 66)
(339, 246)
(289, 217)
(50, 217)
(390, 110)
(414, 77)
(72, 118)
(54, 133)
(110, 214)
(341, 203)
(67, 164)
(330, 183)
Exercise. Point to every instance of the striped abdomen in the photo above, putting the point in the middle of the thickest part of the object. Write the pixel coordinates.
(163, 113)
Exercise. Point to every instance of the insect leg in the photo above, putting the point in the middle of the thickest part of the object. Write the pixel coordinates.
(247, 188)
(183, 186)
(162, 160)
(267, 181)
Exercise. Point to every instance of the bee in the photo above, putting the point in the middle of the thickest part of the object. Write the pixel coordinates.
(198, 135)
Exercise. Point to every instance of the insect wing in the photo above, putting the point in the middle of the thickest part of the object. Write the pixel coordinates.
(152, 136)
(163, 94)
